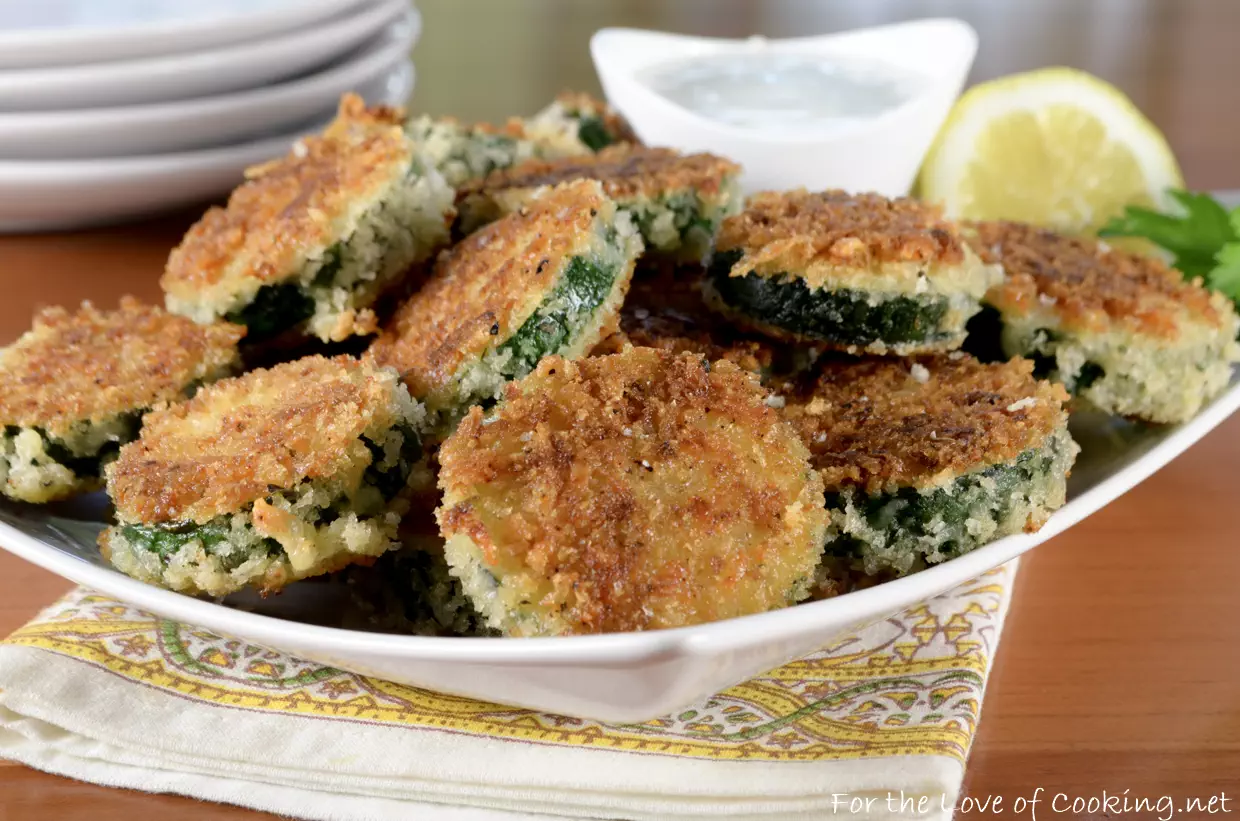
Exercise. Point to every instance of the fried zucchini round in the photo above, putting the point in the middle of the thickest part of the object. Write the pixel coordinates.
(677, 201)
(310, 241)
(636, 491)
(546, 280)
(1123, 331)
(575, 123)
(928, 458)
(855, 272)
(267, 478)
(411, 591)
(73, 389)
(464, 152)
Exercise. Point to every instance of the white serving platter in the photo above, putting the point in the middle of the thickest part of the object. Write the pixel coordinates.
(623, 677)
(212, 121)
(70, 32)
(200, 73)
(65, 194)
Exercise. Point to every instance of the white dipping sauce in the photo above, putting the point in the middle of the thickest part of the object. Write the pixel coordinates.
(782, 92)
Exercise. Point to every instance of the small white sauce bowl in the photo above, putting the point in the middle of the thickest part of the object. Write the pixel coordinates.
(880, 154)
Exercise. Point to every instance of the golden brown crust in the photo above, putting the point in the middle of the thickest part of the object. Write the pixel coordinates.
(238, 440)
(797, 229)
(1088, 285)
(354, 120)
(486, 287)
(626, 172)
(664, 309)
(636, 491)
(871, 423)
(289, 210)
(93, 365)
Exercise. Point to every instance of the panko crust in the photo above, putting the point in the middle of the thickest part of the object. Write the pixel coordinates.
(487, 286)
(92, 365)
(288, 210)
(795, 231)
(626, 172)
(1090, 286)
(873, 424)
(354, 120)
(636, 491)
(664, 309)
(238, 440)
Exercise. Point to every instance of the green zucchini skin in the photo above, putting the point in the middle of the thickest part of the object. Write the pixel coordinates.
(593, 133)
(282, 306)
(691, 217)
(906, 529)
(842, 317)
(1040, 346)
(165, 540)
(274, 309)
(84, 466)
(392, 481)
(580, 291)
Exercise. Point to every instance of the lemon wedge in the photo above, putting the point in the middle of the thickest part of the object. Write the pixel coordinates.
(1054, 147)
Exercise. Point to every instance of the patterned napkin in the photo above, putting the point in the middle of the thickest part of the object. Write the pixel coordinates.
(97, 690)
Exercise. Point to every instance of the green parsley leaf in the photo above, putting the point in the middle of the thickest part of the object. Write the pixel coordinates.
(1225, 277)
(1194, 237)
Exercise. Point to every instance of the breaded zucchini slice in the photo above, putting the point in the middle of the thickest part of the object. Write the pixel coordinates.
(1123, 331)
(546, 280)
(664, 309)
(463, 152)
(412, 590)
(853, 272)
(573, 125)
(310, 241)
(636, 491)
(928, 458)
(575, 120)
(73, 389)
(677, 201)
(265, 479)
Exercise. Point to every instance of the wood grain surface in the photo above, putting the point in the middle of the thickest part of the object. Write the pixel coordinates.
(1120, 665)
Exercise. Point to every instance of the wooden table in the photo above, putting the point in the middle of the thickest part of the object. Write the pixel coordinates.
(1119, 667)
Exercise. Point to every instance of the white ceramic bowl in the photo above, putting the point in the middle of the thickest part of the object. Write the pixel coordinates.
(212, 121)
(623, 677)
(199, 73)
(882, 154)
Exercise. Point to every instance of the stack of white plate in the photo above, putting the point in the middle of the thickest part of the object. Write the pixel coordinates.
(113, 109)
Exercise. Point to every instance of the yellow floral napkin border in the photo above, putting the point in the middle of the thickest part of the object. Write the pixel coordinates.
(909, 686)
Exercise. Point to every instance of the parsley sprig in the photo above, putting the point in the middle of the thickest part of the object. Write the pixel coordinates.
(1204, 239)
